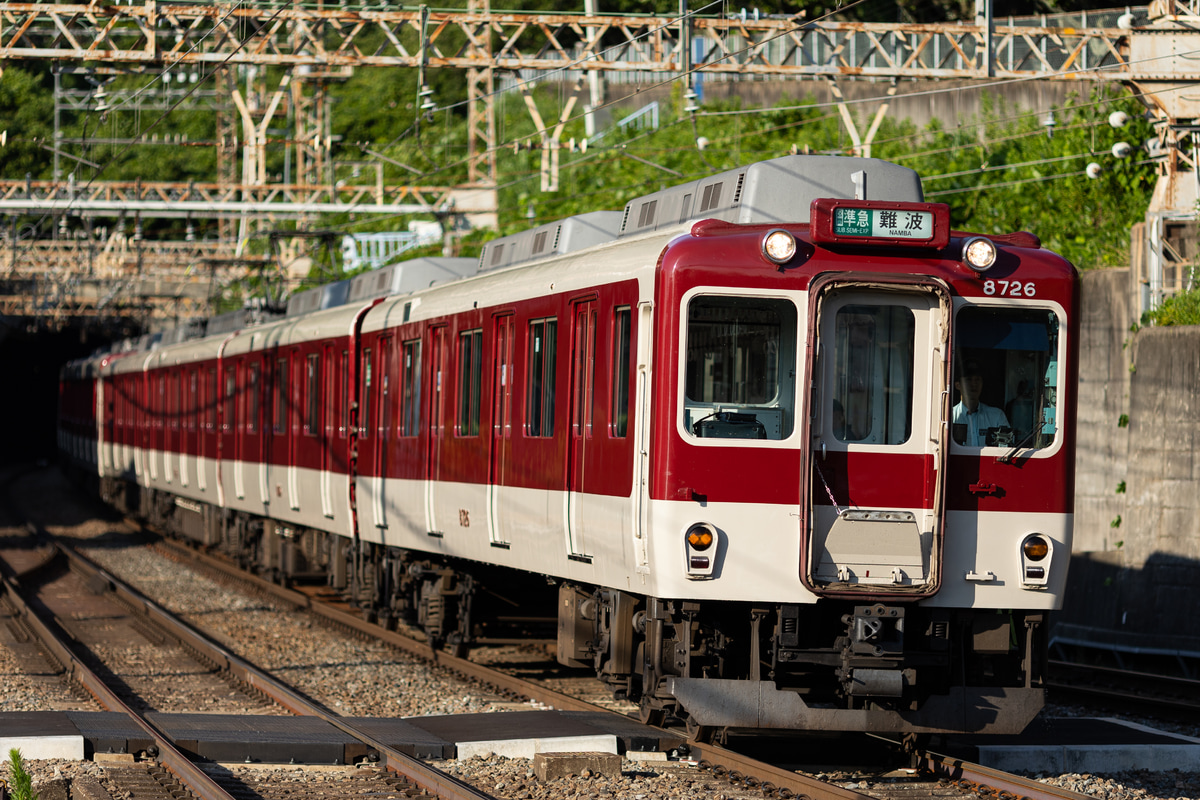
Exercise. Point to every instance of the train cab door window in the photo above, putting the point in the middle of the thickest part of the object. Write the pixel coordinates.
(410, 401)
(539, 420)
(312, 394)
(873, 374)
(470, 379)
(1005, 387)
(873, 518)
(619, 413)
(739, 371)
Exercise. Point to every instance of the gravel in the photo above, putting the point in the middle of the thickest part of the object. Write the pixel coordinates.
(514, 779)
(354, 677)
(369, 679)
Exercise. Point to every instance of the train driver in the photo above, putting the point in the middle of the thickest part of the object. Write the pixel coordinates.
(973, 418)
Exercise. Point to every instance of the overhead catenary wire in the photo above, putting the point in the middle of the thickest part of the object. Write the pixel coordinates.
(158, 121)
(924, 93)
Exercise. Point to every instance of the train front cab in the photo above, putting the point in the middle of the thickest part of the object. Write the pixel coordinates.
(919, 564)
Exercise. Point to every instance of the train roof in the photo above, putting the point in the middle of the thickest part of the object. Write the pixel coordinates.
(778, 190)
(319, 298)
(407, 276)
(553, 238)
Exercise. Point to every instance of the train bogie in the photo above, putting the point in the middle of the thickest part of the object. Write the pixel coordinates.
(764, 469)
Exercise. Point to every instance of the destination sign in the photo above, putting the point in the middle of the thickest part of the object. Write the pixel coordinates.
(882, 223)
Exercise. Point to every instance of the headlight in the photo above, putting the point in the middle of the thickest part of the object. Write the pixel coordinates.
(979, 253)
(779, 246)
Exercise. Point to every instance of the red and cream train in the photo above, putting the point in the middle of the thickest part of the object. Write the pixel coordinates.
(721, 438)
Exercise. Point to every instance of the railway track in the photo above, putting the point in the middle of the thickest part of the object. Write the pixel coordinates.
(1172, 696)
(938, 776)
(44, 615)
(722, 762)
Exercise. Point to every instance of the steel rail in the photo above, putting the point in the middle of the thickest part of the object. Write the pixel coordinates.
(972, 776)
(769, 778)
(188, 774)
(1177, 695)
(424, 776)
(721, 761)
(500, 680)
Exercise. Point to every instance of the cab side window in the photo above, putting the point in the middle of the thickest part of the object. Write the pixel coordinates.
(739, 380)
(1005, 378)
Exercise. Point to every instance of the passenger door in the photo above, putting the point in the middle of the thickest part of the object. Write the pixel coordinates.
(383, 433)
(499, 452)
(437, 428)
(327, 417)
(873, 522)
(581, 471)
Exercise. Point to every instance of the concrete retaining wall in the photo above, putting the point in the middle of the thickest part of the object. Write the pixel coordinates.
(1135, 573)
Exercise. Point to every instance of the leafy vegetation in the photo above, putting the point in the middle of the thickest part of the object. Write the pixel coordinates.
(999, 173)
(1181, 309)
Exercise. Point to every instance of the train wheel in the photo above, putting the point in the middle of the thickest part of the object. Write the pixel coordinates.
(650, 714)
(700, 734)
(457, 647)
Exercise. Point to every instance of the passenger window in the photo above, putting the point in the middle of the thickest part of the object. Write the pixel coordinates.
(873, 373)
(470, 379)
(1005, 378)
(281, 395)
(619, 414)
(364, 394)
(539, 420)
(740, 374)
(410, 401)
(254, 403)
(312, 394)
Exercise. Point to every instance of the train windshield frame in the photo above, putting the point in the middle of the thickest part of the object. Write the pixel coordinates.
(1007, 362)
(738, 367)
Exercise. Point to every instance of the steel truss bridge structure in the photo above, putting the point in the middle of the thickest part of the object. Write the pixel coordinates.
(262, 61)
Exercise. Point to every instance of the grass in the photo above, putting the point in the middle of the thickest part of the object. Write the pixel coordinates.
(20, 781)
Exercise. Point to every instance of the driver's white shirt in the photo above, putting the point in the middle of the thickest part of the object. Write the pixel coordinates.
(978, 421)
